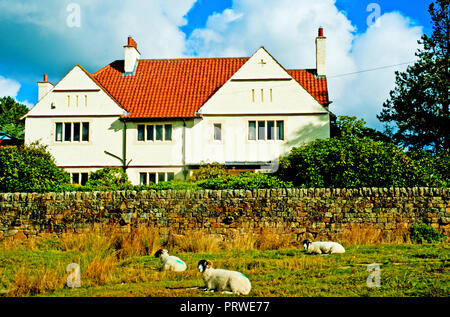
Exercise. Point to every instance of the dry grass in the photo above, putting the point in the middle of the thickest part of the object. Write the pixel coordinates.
(99, 271)
(194, 241)
(29, 283)
(367, 234)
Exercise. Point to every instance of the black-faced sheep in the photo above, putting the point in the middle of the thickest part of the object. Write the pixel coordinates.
(223, 280)
(323, 247)
(170, 262)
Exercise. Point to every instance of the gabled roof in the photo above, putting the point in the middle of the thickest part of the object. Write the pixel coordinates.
(177, 88)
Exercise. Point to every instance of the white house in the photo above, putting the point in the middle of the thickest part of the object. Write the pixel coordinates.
(161, 118)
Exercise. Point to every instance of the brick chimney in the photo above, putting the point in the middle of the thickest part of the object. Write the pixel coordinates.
(321, 65)
(132, 55)
(44, 87)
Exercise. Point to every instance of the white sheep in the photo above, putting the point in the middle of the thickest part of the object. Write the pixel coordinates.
(170, 262)
(223, 280)
(323, 247)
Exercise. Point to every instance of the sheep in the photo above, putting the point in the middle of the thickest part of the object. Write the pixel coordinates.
(231, 282)
(323, 247)
(170, 262)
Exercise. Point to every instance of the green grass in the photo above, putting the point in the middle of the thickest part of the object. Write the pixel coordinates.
(407, 270)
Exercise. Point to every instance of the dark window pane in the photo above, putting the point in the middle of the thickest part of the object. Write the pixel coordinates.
(75, 178)
(150, 133)
(143, 178)
(252, 130)
(217, 132)
(159, 132)
(152, 177)
(270, 130)
(76, 131)
(161, 177)
(85, 132)
(140, 131)
(280, 130)
(168, 132)
(261, 130)
(84, 178)
(170, 176)
(67, 131)
(58, 134)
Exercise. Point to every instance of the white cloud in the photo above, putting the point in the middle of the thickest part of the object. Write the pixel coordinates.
(287, 29)
(8, 87)
(393, 42)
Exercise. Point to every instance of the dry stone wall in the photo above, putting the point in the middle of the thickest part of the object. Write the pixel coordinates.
(323, 213)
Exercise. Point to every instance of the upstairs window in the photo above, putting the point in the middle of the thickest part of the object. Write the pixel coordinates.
(266, 130)
(217, 132)
(154, 132)
(72, 131)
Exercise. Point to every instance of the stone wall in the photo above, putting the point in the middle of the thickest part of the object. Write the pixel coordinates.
(323, 213)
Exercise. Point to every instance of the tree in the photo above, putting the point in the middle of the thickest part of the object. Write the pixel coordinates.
(10, 114)
(30, 169)
(354, 159)
(418, 106)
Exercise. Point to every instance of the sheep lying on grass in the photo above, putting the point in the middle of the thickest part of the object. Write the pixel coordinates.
(223, 280)
(323, 247)
(170, 262)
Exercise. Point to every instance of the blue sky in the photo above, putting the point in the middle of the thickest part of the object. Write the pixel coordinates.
(37, 39)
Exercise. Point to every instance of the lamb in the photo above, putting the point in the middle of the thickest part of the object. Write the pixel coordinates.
(223, 280)
(323, 247)
(170, 262)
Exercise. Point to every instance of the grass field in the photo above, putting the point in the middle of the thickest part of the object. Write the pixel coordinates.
(116, 264)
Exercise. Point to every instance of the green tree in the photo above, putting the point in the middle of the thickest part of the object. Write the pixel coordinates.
(30, 169)
(10, 114)
(416, 114)
(108, 178)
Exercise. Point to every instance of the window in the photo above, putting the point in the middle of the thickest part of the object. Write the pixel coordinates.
(262, 95)
(274, 131)
(72, 131)
(261, 130)
(217, 131)
(80, 178)
(155, 177)
(253, 95)
(76, 131)
(280, 130)
(270, 130)
(151, 132)
(140, 130)
(85, 136)
(252, 130)
(75, 178)
(67, 131)
(143, 178)
(168, 132)
(58, 134)
(159, 132)
(84, 178)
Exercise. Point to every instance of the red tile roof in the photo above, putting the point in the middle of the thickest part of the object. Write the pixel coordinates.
(176, 88)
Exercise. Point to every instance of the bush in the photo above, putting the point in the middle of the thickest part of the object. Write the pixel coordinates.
(348, 163)
(108, 178)
(173, 184)
(421, 233)
(30, 169)
(208, 171)
(360, 157)
(247, 181)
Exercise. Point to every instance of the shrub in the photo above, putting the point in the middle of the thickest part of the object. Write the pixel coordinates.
(349, 162)
(108, 178)
(30, 169)
(208, 171)
(247, 181)
(420, 233)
